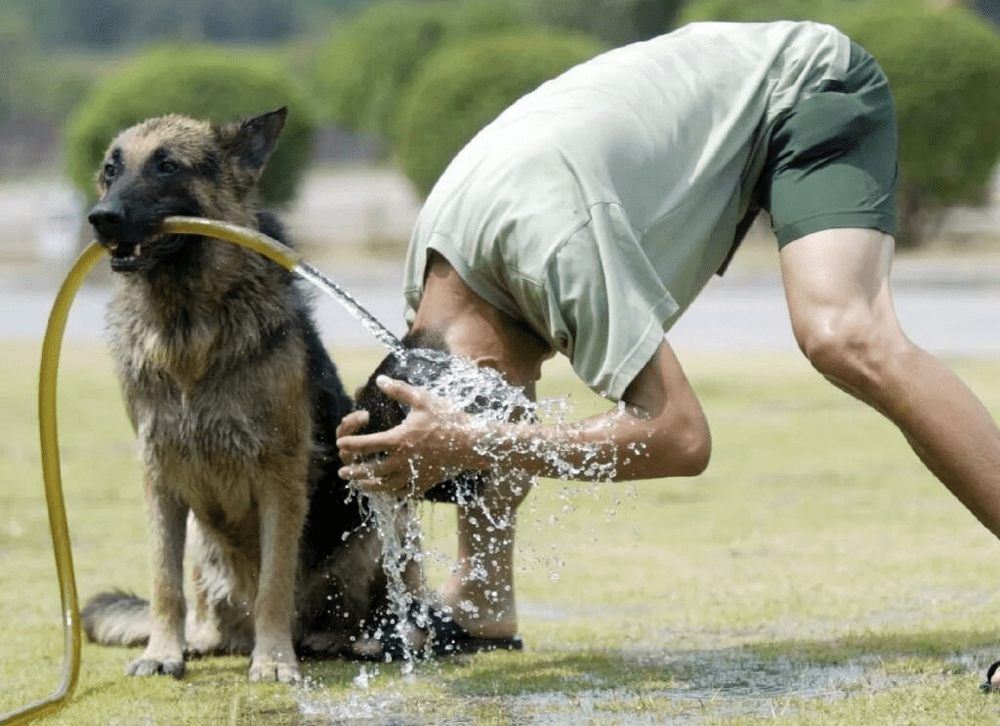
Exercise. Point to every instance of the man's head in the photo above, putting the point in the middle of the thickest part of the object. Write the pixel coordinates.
(424, 361)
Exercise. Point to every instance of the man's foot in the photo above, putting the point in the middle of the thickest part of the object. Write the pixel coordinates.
(447, 637)
(438, 633)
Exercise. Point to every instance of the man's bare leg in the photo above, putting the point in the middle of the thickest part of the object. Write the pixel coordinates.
(837, 285)
(481, 590)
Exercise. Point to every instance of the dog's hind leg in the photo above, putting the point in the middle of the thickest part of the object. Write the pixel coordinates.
(282, 506)
(202, 631)
(164, 653)
(220, 621)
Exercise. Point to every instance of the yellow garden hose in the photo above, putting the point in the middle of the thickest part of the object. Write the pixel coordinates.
(51, 347)
(249, 238)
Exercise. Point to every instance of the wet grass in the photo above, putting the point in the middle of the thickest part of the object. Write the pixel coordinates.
(815, 574)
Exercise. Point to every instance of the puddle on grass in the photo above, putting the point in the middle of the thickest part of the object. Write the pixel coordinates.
(720, 686)
(707, 685)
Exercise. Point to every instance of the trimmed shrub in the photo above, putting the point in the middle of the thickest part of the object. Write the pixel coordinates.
(463, 87)
(202, 82)
(944, 66)
(740, 10)
(364, 67)
(615, 22)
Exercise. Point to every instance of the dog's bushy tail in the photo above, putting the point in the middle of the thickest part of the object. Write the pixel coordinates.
(116, 618)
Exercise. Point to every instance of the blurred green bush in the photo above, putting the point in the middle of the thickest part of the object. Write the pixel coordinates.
(465, 85)
(366, 63)
(613, 22)
(944, 67)
(204, 82)
(762, 10)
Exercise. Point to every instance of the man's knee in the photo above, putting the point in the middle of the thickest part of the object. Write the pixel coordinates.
(852, 346)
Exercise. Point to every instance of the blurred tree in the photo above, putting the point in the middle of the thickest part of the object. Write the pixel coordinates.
(112, 24)
(366, 63)
(203, 82)
(325, 9)
(741, 10)
(614, 22)
(989, 9)
(18, 53)
(465, 85)
(35, 86)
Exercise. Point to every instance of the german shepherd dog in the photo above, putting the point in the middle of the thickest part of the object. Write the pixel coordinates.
(235, 403)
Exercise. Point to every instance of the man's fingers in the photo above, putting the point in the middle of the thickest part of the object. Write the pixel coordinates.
(401, 391)
(400, 486)
(359, 472)
(352, 422)
(367, 444)
(379, 475)
(371, 467)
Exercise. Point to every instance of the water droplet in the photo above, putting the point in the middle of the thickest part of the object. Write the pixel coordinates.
(362, 680)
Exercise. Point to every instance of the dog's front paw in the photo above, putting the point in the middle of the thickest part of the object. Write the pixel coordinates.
(267, 670)
(155, 667)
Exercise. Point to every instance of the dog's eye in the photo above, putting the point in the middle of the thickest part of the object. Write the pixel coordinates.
(167, 166)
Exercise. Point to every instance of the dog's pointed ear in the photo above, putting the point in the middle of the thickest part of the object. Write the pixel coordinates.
(252, 140)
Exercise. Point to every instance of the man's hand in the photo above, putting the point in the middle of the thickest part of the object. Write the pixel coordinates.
(434, 443)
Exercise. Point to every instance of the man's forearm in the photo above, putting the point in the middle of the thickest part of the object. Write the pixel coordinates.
(618, 445)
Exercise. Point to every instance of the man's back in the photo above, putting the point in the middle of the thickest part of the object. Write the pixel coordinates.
(657, 144)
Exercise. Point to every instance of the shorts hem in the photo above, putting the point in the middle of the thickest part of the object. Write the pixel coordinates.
(837, 220)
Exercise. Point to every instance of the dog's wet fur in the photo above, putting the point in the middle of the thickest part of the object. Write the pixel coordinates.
(235, 402)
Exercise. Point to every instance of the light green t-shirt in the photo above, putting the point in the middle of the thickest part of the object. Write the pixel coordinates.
(597, 207)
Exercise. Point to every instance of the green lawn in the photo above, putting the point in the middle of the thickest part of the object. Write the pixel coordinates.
(815, 574)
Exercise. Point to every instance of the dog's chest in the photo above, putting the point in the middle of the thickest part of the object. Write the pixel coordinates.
(207, 400)
(206, 422)
(204, 455)
(180, 375)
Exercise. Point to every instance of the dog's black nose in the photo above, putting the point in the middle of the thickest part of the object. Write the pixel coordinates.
(106, 217)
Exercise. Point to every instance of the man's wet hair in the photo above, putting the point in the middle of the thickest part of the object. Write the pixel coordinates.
(423, 359)
(412, 367)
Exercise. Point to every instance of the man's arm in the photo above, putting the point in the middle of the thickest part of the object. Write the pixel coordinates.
(658, 430)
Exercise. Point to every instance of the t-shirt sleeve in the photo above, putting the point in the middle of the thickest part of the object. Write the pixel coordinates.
(606, 306)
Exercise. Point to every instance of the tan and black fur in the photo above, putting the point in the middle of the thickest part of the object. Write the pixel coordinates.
(235, 403)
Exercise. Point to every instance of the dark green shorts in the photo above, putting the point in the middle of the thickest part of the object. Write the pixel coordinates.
(832, 158)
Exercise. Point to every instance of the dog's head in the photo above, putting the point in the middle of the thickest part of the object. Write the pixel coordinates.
(176, 165)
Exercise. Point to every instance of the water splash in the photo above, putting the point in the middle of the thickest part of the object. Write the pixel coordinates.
(401, 536)
(361, 706)
(489, 398)
(372, 324)
(486, 394)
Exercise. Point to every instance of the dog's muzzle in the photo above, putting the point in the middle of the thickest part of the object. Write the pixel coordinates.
(108, 220)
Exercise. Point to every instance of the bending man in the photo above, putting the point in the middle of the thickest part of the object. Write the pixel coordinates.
(586, 218)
